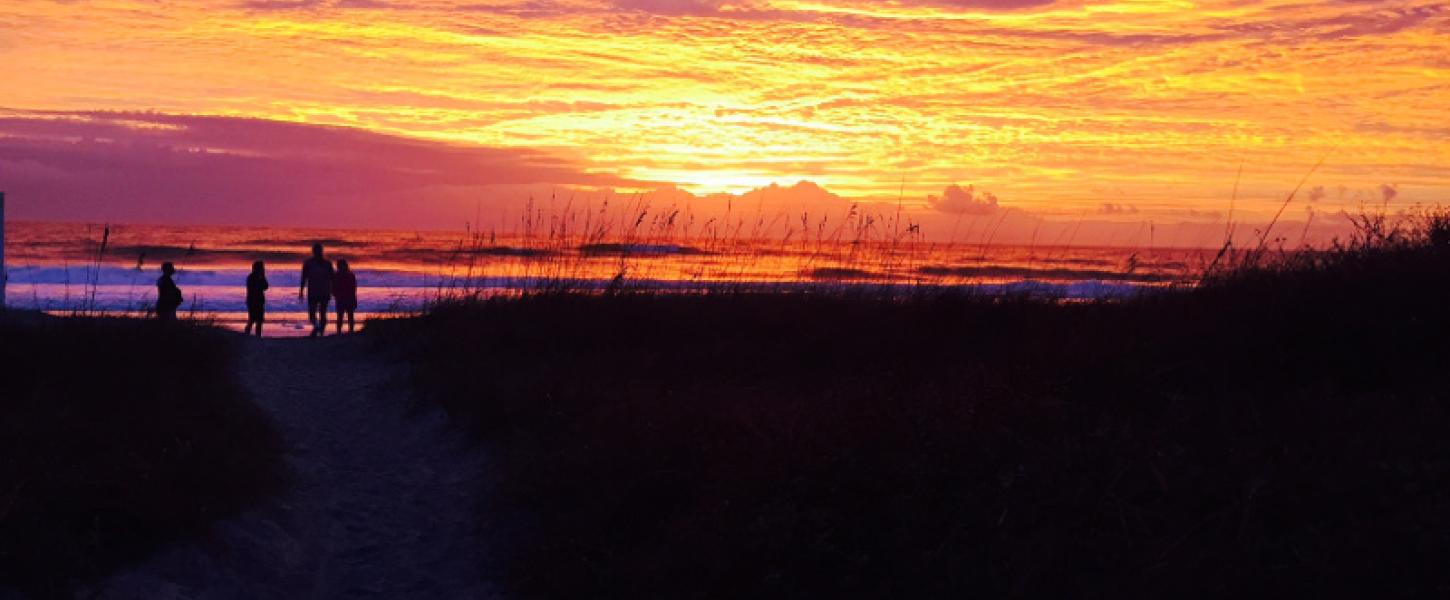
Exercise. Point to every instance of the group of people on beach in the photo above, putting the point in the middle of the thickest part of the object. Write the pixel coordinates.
(321, 284)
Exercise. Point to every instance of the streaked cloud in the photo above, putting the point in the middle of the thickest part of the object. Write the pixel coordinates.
(1041, 102)
(1113, 208)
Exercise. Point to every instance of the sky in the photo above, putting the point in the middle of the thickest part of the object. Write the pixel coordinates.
(1117, 113)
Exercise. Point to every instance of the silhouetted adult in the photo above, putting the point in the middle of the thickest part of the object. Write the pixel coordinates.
(344, 290)
(317, 282)
(256, 298)
(168, 296)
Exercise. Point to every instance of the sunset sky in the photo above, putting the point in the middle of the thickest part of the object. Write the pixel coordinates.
(1116, 110)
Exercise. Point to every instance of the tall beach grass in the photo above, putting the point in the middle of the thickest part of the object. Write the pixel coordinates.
(1277, 429)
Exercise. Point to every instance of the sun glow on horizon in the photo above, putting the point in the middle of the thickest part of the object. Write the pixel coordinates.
(1059, 107)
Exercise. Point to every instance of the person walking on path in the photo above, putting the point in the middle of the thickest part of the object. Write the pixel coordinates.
(256, 298)
(168, 296)
(317, 283)
(344, 290)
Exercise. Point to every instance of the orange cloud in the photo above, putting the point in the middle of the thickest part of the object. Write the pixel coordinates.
(958, 200)
(1044, 102)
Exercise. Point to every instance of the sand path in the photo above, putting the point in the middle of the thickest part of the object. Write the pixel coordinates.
(383, 502)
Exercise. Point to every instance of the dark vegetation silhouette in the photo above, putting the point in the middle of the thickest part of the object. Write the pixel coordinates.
(118, 436)
(1280, 429)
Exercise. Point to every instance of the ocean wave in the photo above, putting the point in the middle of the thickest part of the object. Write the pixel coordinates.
(1055, 274)
(639, 249)
(306, 242)
(842, 274)
(155, 254)
(437, 255)
(290, 277)
(222, 291)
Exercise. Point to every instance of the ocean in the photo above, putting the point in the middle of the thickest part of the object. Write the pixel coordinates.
(68, 268)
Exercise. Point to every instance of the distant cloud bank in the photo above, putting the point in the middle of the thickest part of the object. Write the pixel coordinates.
(172, 168)
(958, 200)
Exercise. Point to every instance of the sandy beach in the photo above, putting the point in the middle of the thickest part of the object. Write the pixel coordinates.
(383, 501)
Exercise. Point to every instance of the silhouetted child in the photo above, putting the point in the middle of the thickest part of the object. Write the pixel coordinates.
(168, 296)
(256, 298)
(344, 289)
(317, 281)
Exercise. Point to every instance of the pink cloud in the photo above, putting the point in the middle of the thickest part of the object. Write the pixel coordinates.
(169, 168)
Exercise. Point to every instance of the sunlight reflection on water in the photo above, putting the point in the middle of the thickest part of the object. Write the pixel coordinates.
(61, 267)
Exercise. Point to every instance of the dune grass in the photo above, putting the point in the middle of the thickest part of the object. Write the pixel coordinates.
(117, 436)
(1282, 428)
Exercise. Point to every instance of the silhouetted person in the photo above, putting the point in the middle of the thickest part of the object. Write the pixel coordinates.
(344, 290)
(256, 298)
(168, 296)
(317, 282)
